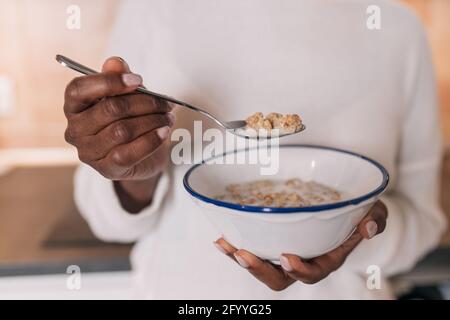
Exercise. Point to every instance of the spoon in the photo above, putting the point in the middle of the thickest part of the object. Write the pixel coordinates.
(238, 127)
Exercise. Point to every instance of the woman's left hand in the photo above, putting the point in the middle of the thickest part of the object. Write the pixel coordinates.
(293, 268)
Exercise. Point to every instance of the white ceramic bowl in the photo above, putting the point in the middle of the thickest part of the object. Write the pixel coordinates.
(305, 231)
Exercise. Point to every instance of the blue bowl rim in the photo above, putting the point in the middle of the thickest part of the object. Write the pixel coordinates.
(271, 210)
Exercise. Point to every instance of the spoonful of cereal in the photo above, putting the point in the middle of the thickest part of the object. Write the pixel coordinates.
(272, 126)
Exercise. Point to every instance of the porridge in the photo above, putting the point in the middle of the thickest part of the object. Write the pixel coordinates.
(289, 123)
(280, 193)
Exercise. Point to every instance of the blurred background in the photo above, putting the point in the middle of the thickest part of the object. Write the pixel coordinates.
(41, 232)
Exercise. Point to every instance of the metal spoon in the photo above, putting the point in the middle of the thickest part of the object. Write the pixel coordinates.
(237, 127)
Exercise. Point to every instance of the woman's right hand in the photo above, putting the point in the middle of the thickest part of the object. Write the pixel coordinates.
(119, 132)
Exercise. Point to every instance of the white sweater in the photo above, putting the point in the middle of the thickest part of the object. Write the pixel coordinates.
(369, 91)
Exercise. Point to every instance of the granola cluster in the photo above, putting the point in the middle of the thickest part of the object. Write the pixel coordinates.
(289, 123)
(280, 194)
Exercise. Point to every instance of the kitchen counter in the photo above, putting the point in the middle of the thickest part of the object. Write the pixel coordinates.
(104, 285)
(41, 231)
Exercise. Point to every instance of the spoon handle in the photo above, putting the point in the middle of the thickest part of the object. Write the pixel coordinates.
(67, 62)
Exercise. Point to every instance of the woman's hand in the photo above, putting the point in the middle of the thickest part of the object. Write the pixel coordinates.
(119, 132)
(293, 268)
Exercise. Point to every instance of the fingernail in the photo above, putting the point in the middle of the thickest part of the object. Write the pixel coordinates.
(172, 118)
(371, 228)
(220, 248)
(131, 79)
(241, 261)
(163, 132)
(123, 61)
(285, 264)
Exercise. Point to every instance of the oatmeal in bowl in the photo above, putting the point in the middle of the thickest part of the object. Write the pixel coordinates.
(290, 193)
(311, 206)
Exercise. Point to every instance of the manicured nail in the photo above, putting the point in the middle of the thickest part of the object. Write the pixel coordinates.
(371, 228)
(220, 248)
(172, 118)
(241, 261)
(285, 264)
(131, 79)
(123, 61)
(163, 132)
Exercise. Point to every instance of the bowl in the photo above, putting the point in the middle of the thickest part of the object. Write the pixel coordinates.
(305, 231)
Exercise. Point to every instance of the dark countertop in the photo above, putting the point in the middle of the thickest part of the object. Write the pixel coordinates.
(41, 231)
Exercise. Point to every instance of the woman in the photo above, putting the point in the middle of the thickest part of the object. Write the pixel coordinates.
(369, 91)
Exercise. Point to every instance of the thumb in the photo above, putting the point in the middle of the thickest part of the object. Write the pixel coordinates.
(115, 65)
(374, 222)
